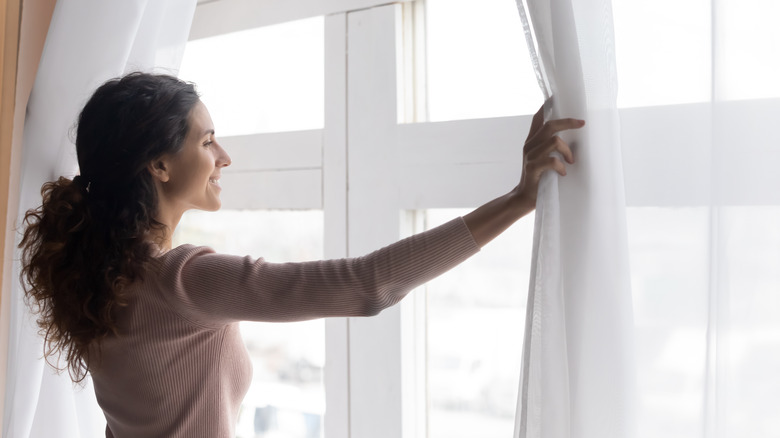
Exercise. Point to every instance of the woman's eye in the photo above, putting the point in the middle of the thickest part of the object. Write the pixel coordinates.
(208, 143)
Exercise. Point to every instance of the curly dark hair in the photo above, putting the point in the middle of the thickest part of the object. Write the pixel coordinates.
(89, 239)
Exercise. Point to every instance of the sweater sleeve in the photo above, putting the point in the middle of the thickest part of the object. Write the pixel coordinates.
(213, 289)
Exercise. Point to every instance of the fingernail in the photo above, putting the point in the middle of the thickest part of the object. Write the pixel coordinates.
(582, 122)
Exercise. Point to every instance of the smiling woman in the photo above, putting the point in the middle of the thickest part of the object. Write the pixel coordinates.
(157, 328)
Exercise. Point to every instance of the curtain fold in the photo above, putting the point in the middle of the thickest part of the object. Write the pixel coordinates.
(87, 44)
(577, 377)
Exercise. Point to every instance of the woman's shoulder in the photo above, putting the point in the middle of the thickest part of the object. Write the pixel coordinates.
(174, 266)
(187, 266)
(178, 274)
(179, 255)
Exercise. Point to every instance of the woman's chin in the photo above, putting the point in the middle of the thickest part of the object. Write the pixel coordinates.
(212, 206)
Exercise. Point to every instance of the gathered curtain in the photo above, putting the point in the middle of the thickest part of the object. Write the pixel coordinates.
(87, 44)
(577, 356)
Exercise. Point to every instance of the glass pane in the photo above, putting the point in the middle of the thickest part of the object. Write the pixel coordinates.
(267, 79)
(669, 255)
(747, 45)
(663, 51)
(477, 61)
(476, 317)
(749, 327)
(287, 397)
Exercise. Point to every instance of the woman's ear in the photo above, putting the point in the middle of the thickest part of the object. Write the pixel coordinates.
(158, 168)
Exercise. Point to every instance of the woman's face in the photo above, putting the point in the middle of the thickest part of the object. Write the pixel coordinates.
(194, 172)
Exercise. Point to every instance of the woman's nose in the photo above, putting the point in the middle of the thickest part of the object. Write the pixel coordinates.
(224, 159)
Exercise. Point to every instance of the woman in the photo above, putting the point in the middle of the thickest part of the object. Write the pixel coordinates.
(155, 326)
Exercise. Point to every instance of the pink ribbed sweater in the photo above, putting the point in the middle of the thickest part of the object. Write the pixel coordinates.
(179, 367)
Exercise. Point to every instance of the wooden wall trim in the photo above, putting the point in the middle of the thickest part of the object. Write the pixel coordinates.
(10, 17)
(22, 36)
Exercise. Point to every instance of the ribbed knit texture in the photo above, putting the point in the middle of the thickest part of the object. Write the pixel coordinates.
(179, 367)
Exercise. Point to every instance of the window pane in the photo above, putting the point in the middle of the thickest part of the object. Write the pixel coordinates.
(747, 47)
(287, 396)
(477, 61)
(669, 255)
(267, 79)
(663, 51)
(670, 263)
(749, 326)
(476, 319)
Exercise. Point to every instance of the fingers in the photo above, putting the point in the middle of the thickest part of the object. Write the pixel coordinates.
(541, 134)
(554, 164)
(551, 144)
(534, 169)
(538, 151)
(532, 175)
(543, 141)
(555, 126)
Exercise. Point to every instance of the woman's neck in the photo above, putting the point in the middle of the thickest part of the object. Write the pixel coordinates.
(160, 239)
(162, 236)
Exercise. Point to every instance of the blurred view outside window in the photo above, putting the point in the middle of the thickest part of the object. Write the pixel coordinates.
(477, 61)
(749, 302)
(671, 262)
(663, 58)
(475, 325)
(268, 79)
(287, 397)
(669, 254)
(747, 41)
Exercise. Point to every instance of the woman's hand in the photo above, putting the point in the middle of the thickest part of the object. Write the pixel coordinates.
(542, 141)
(491, 219)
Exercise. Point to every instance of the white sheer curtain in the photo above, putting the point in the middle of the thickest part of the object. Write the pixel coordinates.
(578, 349)
(698, 101)
(88, 43)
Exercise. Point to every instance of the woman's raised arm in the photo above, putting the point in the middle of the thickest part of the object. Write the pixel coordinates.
(493, 218)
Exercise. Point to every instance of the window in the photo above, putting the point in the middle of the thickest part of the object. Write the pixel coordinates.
(475, 323)
(477, 61)
(267, 79)
(663, 58)
(669, 252)
(749, 336)
(473, 91)
(746, 34)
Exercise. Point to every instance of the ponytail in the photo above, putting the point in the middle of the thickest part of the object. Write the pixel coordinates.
(74, 272)
(89, 239)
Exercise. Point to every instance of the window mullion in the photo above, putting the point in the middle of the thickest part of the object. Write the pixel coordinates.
(334, 187)
(373, 215)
